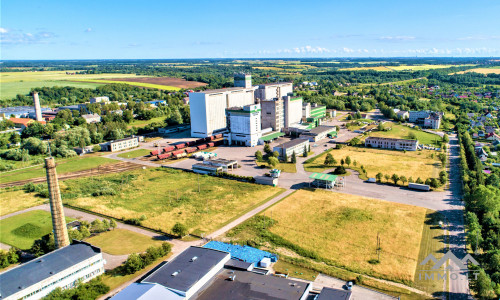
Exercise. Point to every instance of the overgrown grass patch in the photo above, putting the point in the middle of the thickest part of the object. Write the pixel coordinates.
(122, 241)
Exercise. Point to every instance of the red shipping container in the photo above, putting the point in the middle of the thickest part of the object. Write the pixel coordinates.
(190, 150)
(201, 147)
(168, 148)
(154, 152)
(164, 156)
(180, 146)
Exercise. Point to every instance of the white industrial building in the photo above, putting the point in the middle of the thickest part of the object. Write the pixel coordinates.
(208, 108)
(293, 110)
(244, 125)
(62, 268)
(122, 144)
(243, 80)
(298, 146)
(388, 143)
(270, 91)
(91, 118)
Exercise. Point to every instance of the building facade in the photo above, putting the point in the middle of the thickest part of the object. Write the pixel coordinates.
(388, 143)
(92, 118)
(293, 110)
(243, 80)
(270, 91)
(244, 125)
(273, 114)
(104, 99)
(62, 268)
(298, 146)
(428, 119)
(121, 144)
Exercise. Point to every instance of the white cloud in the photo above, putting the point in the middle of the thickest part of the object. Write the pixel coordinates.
(397, 38)
(17, 37)
(347, 50)
(88, 30)
(3, 30)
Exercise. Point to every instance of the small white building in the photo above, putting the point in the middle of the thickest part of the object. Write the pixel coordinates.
(244, 125)
(388, 143)
(103, 99)
(122, 144)
(428, 119)
(92, 118)
(62, 268)
(298, 146)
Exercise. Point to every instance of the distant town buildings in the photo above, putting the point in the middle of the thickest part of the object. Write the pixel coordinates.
(104, 99)
(390, 143)
(62, 268)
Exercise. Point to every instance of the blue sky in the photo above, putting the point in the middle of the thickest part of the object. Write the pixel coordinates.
(110, 29)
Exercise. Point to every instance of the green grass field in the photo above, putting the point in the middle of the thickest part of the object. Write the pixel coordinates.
(412, 163)
(22, 230)
(9, 201)
(403, 132)
(122, 241)
(284, 167)
(135, 153)
(166, 196)
(13, 83)
(341, 230)
(63, 166)
(142, 123)
(140, 84)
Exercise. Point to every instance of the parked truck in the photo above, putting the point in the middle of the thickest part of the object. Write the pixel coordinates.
(418, 186)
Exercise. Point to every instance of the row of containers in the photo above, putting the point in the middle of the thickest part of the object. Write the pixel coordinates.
(183, 149)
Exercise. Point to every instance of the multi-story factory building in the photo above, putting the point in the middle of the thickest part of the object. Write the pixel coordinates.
(273, 114)
(244, 125)
(293, 110)
(208, 108)
(270, 91)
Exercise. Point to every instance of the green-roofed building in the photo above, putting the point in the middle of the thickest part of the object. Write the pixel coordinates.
(270, 137)
(323, 180)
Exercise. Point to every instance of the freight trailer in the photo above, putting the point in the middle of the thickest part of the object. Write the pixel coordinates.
(180, 146)
(154, 152)
(178, 152)
(210, 145)
(418, 186)
(168, 148)
(201, 147)
(190, 150)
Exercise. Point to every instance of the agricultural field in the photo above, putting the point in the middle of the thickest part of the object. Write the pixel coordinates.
(13, 83)
(135, 153)
(22, 230)
(403, 132)
(167, 196)
(63, 166)
(122, 241)
(341, 230)
(492, 70)
(405, 67)
(410, 164)
(133, 83)
(381, 68)
(177, 83)
(9, 201)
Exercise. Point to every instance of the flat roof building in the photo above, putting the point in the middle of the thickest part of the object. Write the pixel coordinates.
(92, 118)
(249, 285)
(187, 273)
(146, 291)
(334, 294)
(244, 125)
(389, 143)
(297, 146)
(62, 268)
(318, 133)
(121, 144)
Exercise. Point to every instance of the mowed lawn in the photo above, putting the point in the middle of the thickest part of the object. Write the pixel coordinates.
(63, 166)
(410, 164)
(166, 196)
(344, 228)
(22, 230)
(403, 132)
(10, 201)
(122, 241)
(135, 153)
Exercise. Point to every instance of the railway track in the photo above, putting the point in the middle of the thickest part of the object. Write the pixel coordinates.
(106, 169)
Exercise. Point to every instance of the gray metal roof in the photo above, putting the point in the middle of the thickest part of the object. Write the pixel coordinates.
(334, 294)
(249, 285)
(48, 265)
(292, 143)
(189, 271)
(322, 128)
(146, 291)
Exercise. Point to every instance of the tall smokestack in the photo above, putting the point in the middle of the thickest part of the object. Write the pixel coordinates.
(38, 110)
(56, 207)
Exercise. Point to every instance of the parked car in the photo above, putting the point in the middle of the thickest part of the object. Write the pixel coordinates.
(349, 285)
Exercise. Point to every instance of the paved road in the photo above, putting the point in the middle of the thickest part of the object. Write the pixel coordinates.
(358, 292)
